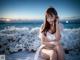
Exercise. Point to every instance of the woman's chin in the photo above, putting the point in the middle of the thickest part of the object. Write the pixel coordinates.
(51, 23)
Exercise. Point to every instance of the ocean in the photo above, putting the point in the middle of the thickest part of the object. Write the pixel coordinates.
(24, 36)
(71, 24)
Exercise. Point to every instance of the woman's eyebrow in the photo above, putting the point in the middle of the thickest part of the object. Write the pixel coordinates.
(50, 15)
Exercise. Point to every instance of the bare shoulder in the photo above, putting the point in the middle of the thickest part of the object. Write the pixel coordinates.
(40, 31)
(42, 34)
(41, 28)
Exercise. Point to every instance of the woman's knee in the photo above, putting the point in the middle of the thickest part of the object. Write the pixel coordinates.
(51, 52)
(53, 55)
(44, 53)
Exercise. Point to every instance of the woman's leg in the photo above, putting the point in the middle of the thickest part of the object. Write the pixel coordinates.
(53, 55)
(50, 54)
(45, 54)
(60, 52)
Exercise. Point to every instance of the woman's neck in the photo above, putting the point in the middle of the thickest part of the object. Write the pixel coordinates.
(51, 29)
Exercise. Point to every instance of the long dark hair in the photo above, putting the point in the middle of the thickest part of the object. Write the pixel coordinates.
(46, 26)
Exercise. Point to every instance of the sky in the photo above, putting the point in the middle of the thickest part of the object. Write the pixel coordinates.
(35, 9)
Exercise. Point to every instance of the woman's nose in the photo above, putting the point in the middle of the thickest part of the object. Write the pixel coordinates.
(52, 21)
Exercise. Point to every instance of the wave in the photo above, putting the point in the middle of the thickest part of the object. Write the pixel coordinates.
(14, 39)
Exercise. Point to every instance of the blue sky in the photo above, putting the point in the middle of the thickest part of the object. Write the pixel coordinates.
(35, 9)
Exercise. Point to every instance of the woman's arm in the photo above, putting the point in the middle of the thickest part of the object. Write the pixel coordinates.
(48, 43)
(44, 39)
(57, 34)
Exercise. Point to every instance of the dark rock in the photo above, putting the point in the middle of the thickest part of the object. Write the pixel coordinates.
(7, 49)
(0, 46)
(66, 51)
(19, 50)
(22, 34)
(33, 50)
(2, 52)
(5, 44)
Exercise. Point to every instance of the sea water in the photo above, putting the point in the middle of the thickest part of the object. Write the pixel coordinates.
(21, 36)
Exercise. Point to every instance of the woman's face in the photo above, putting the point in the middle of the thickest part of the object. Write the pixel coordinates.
(51, 19)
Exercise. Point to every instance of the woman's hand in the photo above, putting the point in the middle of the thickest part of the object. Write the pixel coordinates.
(51, 44)
(55, 42)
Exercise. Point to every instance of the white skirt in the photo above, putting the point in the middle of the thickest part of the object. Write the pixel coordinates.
(37, 55)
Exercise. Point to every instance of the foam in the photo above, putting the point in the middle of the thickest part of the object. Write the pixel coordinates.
(24, 38)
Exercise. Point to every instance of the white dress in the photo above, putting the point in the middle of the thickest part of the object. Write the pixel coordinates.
(50, 37)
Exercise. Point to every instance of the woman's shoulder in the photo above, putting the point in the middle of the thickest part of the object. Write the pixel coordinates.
(40, 31)
(40, 34)
(41, 27)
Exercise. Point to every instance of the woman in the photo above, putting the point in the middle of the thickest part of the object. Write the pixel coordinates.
(50, 48)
